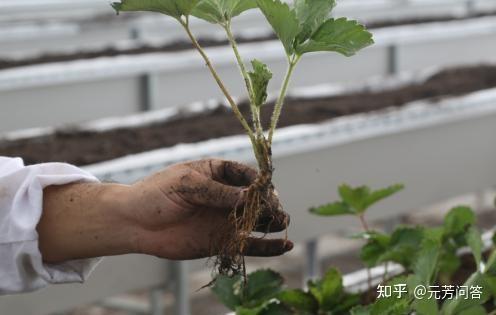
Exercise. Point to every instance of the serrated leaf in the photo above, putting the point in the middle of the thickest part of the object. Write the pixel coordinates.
(331, 288)
(377, 245)
(220, 11)
(297, 300)
(458, 220)
(404, 246)
(259, 77)
(173, 8)
(311, 14)
(341, 35)
(283, 21)
(261, 285)
(380, 194)
(227, 289)
(474, 241)
(332, 209)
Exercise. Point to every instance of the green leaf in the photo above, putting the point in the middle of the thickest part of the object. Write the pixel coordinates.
(474, 310)
(425, 266)
(494, 238)
(228, 290)
(311, 14)
(341, 35)
(361, 310)
(174, 8)
(220, 11)
(298, 300)
(260, 77)
(392, 305)
(283, 21)
(404, 246)
(474, 241)
(377, 245)
(458, 220)
(460, 303)
(378, 195)
(354, 197)
(329, 290)
(332, 209)
(261, 285)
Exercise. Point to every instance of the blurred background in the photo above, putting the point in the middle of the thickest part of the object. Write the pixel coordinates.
(123, 96)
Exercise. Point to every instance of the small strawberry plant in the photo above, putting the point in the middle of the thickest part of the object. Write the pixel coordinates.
(429, 257)
(303, 28)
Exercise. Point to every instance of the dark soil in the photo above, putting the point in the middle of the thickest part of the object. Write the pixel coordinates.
(87, 147)
(180, 45)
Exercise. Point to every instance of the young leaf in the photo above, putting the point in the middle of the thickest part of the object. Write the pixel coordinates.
(228, 290)
(311, 14)
(261, 285)
(474, 241)
(220, 11)
(331, 289)
(458, 220)
(341, 35)
(377, 245)
(283, 21)
(174, 8)
(354, 197)
(260, 77)
(299, 301)
(378, 195)
(331, 209)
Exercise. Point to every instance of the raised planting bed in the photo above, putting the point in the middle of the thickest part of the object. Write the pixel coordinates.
(94, 25)
(138, 47)
(84, 146)
(114, 85)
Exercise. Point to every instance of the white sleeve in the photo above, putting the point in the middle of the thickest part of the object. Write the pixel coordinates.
(21, 200)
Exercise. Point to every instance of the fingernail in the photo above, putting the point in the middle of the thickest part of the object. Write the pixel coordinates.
(288, 245)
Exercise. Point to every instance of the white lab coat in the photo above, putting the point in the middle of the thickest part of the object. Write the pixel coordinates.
(21, 199)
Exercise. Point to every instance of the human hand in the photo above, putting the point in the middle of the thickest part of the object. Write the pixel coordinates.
(182, 211)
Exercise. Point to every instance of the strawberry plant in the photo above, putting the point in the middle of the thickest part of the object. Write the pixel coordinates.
(304, 27)
(429, 256)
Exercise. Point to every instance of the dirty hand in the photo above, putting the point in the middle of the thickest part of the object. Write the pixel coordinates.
(183, 210)
(178, 213)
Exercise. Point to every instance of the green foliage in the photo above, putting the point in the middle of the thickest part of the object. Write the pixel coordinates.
(299, 301)
(458, 220)
(341, 35)
(283, 21)
(307, 27)
(355, 200)
(427, 255)
(173, 8)
(474, 241)
(222, 11)
(260, 77)
(252, 298)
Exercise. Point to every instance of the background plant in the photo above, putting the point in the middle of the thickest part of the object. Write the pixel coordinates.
(428, 256)
(302, 28)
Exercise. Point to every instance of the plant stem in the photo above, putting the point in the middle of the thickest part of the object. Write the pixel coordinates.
(255, 112)
(363, 222)
(280, 100)
(221, 85)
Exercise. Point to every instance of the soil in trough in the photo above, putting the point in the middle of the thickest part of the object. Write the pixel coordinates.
(6, 63)
(87, 147)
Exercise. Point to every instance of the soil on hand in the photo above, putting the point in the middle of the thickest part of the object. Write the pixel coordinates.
(87, 147)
